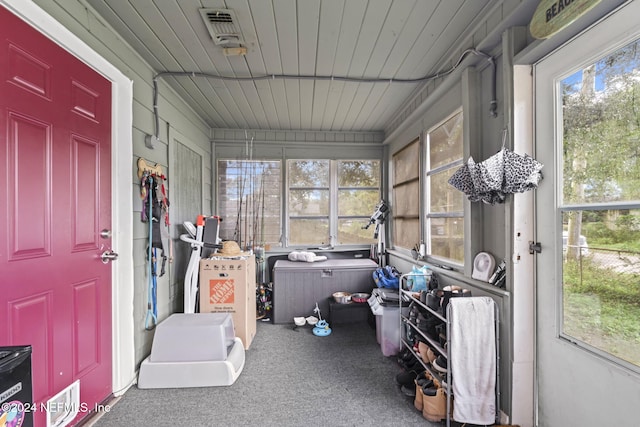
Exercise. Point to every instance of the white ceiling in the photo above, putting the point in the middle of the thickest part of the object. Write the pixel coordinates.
(379, 39)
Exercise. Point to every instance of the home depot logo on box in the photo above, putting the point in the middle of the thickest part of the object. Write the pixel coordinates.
(221, 291)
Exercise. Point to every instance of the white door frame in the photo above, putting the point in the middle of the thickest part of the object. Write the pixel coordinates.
(123, 354)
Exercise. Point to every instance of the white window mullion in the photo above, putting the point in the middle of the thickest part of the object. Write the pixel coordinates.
(333, 202)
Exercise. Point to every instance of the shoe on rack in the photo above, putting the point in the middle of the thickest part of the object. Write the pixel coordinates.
(440, 364)
(417, 366)
(413, 312)
(424, 379)
(426, 352)
(434, 404)
(428, 325)
(407, 377)
(409, 390)
(405, 356)
(442, 339)
(410, 364)
(418, 402)
(434, 299)
(431, 355)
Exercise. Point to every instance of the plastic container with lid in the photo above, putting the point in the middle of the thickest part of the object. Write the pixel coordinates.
(385, 305)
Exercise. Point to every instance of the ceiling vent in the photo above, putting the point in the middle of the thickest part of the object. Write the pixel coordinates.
(221, 24)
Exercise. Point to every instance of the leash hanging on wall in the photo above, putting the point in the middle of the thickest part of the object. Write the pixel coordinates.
(155, 211)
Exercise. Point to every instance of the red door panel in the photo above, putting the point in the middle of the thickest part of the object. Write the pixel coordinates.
(55, 198)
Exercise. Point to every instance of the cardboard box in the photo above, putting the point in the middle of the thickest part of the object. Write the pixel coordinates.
(228, 285)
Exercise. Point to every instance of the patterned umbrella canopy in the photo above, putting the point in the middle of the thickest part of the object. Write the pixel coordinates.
(503, 173)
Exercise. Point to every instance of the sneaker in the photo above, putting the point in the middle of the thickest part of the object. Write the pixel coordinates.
(440, 364)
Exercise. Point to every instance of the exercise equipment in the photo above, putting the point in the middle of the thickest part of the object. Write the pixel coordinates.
(204, 235)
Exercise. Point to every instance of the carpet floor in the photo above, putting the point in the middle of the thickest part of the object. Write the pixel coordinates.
(291, 378)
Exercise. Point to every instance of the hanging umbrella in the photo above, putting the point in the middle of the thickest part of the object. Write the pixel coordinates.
(481, 182)
(488, 178)
(461, 180)
(491, 180)
(487, 175)
(521, 172)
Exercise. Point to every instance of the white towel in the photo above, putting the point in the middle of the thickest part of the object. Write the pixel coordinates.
(472, 359)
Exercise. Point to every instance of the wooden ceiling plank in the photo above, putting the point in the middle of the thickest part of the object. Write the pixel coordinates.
(267, 33)
(127, 33)
(359, 100)
(331, 106)
(252, 63)
(331, 15)
(388, 105)
(308, 24)
(350, 28)
(377, 11)
(459, 15)
(287, 32)
(387, 40)
(408, 42)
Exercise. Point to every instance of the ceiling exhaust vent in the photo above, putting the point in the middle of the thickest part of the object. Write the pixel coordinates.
(221, 24)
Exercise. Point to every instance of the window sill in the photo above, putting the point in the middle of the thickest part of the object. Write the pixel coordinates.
(452, 274)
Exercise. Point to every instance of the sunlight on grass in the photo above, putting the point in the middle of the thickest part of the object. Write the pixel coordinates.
(602, 309)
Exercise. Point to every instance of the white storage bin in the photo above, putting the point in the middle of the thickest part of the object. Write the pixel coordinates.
(385, 305)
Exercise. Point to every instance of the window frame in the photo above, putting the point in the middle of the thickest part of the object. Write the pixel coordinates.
(426, 206)
(278, 242)
(394, 185)
(333, 216)
(566, 206)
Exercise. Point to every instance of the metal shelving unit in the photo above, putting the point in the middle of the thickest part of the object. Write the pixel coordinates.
(445, 381)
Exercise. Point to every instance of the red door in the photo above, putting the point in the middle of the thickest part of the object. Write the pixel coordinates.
(55, 198)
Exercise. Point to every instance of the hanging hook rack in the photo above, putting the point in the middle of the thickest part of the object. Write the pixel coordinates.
(146, 168)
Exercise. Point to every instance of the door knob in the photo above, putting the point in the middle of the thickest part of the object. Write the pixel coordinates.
(108, 256)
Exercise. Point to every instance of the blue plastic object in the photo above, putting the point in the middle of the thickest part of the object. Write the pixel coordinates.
(322, 329)
(387, 277)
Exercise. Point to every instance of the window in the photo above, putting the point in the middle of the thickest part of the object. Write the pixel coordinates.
(308, 204)
(444, 207)
(406, 196)
(599, 206)
(249, 194)
(328, 198)
(358, 194)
